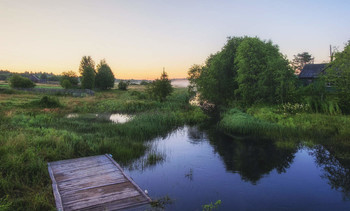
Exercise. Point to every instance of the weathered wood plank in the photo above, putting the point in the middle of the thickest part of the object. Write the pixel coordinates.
(77, 165)
(80, 160)
(119, 204)
(93, 183)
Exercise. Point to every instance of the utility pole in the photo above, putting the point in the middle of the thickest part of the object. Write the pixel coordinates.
(330, 52)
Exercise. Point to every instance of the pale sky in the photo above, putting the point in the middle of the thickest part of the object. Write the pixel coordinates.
(139, 38)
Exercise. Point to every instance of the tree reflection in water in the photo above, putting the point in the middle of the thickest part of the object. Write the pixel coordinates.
(251, 158)
(336, 171)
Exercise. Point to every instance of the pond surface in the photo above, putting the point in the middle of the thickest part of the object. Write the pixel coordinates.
(115, 118)
(245, 174)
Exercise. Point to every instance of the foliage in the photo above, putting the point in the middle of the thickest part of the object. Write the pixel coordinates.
(123, 85)
(301, 59)
(70, 76)
(144, 82)
(49, 102)
(17, 81)
(104, 77)
(215, 80)
(263, 74)
(246, 70)
(86, 62)
(211, 206)
(88, 78)
(338, 75)
(160, 88)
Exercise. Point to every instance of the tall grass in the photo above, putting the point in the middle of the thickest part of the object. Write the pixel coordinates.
(32, 135)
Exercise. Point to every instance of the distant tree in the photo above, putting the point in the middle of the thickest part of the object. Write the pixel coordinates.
(85, 62)
(43, 76)
(301, 59)
(104, 77)
(17, 81)
(71, 77)
(338, 76)
(160, 88)
(123, 85)
(88, 78)
(66, 84)
(144, 82)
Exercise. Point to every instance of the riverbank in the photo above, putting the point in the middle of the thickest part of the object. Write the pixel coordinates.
(291, 127)
(33, 134)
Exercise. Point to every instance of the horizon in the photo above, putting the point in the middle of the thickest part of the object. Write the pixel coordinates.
(138, 39)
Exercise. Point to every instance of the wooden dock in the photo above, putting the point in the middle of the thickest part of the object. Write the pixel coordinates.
(94, 183)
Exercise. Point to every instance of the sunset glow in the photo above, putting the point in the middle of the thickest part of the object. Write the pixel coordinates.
(139, 38)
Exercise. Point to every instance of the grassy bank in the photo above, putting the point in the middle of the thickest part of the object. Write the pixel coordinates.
(281, 124)
(33, 134)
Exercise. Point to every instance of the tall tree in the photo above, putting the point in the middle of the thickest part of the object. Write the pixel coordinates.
(301, 59)
(88, 78)
(85, 62)
(263, 74)
(104, 77)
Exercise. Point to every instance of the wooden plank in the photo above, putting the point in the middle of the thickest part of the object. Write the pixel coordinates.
(56, 193)
(87, 173)
(106, 166)
(81, 160)
(86, 182)
(77, 165)
(131, 180)
(120, 204)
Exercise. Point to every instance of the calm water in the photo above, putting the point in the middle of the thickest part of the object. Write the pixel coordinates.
(201, 167)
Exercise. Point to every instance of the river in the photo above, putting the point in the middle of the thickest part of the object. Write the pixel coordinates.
(200, 167)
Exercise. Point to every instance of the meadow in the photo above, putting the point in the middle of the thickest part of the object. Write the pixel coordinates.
(35, 130)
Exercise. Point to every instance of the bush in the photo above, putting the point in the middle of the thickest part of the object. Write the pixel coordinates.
(17, 81)
(49, 102)
(160, 88)
(122, 85)
(66, 84)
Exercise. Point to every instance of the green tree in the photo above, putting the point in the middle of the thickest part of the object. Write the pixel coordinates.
(338, 76)
(104, 77)
(88, 78)
(85, 62)
(263, 74)
(17, 81)
(301, 59)
(215, 80)
(160, 88)
(70, 76)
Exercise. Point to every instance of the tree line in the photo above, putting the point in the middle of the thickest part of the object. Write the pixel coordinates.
(99, 76)
(248, 71)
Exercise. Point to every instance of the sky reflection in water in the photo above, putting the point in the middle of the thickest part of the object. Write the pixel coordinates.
(201, 167)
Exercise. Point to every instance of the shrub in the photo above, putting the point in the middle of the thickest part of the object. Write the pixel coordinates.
(49, 102)
(17, 81)
(122, 85)
(160, 88)
(66, 84)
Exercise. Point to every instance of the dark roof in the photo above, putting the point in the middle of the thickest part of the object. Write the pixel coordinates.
(312, 70)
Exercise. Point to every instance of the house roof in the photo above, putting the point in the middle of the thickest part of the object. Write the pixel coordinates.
(312, 70)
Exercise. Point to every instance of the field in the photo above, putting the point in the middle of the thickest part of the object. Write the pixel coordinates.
(35, 130)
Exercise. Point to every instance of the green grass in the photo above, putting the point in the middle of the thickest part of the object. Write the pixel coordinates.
(33, 134)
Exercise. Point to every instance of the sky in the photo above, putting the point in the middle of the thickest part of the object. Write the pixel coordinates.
(140, 37)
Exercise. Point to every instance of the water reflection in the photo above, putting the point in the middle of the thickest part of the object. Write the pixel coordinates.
(200, 167)
(336, 172)
(115, 118)
(251, 158)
